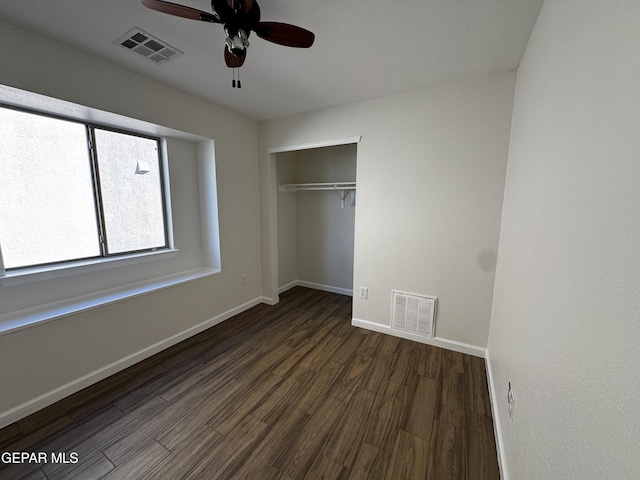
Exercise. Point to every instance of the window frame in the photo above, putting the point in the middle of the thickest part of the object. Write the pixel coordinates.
(105, 258)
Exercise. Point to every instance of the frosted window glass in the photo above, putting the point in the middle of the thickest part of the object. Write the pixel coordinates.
(130, 184)
(47, 207)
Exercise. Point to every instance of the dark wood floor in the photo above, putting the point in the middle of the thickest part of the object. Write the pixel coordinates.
(291, 391)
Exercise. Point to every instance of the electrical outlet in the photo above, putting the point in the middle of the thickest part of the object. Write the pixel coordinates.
(511, 401)
(243, 279)
(364, 292)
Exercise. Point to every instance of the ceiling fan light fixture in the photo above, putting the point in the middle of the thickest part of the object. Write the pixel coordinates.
(237, 44)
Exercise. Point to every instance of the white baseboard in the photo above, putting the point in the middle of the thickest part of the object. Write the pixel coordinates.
(288, 286)
(436, 342)
(269, 300)
(497, 431)
(49, 398)
(315, 286)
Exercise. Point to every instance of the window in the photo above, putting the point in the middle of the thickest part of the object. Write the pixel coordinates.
(72, 191)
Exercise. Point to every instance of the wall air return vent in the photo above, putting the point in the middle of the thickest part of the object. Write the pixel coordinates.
(148, 46)
(413, 313)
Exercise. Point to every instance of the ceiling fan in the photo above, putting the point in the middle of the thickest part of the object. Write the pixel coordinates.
(239, 18)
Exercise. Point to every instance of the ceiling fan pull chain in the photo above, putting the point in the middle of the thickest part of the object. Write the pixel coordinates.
(239, 84)
(233, 82)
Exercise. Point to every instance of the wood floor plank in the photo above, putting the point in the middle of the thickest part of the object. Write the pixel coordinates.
(409, 458)
(109, 433)
(405, 368)
(388, 414)
(361, 468)
(71, 436)
(222, 375)
(430, 360)
(343, 444)
(294, 358)
(193, 421)
(451, 405)
(310, 399)
(371, 344)
(140, 463)
(152, 388)
(452, 361)
(322, 327)
(294, 390)
(321, 352)
(351, 377)
(65, 440)
(422, 408)
(13, 471)
(35, 434)
(447, 454)
(481, 448)
(95, 467)
(222, 460)
(324, 468)
(283, 396)
(379, 371)
(274, 444)
(122, 449)
(10, 434)
(390, 343)
(233, 414)
(104, 393)
(476, 388)
(267, 362)
(36, 475)
(296, 462)
(349, 346)
(185, 458)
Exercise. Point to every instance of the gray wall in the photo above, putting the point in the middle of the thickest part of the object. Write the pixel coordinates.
(431, 168)
(565, 321)
(54, 356)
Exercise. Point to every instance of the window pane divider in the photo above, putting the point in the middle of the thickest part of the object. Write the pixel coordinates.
(97, 195)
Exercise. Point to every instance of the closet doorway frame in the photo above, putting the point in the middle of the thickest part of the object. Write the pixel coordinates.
(270, 295)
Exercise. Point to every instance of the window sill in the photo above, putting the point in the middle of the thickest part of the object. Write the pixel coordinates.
(11, 322)
(48, 272)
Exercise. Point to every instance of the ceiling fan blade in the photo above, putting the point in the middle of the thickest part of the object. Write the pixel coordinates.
(231, 60)
(285, 34)
(242, 5)
(180, 10)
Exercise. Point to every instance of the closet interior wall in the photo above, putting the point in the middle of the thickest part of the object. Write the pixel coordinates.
(315, 233)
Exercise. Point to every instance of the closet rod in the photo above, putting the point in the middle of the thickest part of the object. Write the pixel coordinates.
(294, 187)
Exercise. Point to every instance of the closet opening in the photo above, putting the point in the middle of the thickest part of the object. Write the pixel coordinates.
(316, 218)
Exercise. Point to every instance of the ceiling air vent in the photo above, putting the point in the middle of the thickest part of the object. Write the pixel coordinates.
(148, 46)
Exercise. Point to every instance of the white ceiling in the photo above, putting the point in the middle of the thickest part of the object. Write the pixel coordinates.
(363, 49)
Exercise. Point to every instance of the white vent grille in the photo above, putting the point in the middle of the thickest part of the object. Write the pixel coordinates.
(413, 313)
(148, 46)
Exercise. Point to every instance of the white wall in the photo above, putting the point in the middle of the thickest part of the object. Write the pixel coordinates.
(38, 360)
(431, 167)
(565, 322)
(287, 221)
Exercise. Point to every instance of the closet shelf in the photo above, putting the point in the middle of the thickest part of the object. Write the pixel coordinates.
(295, 187)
